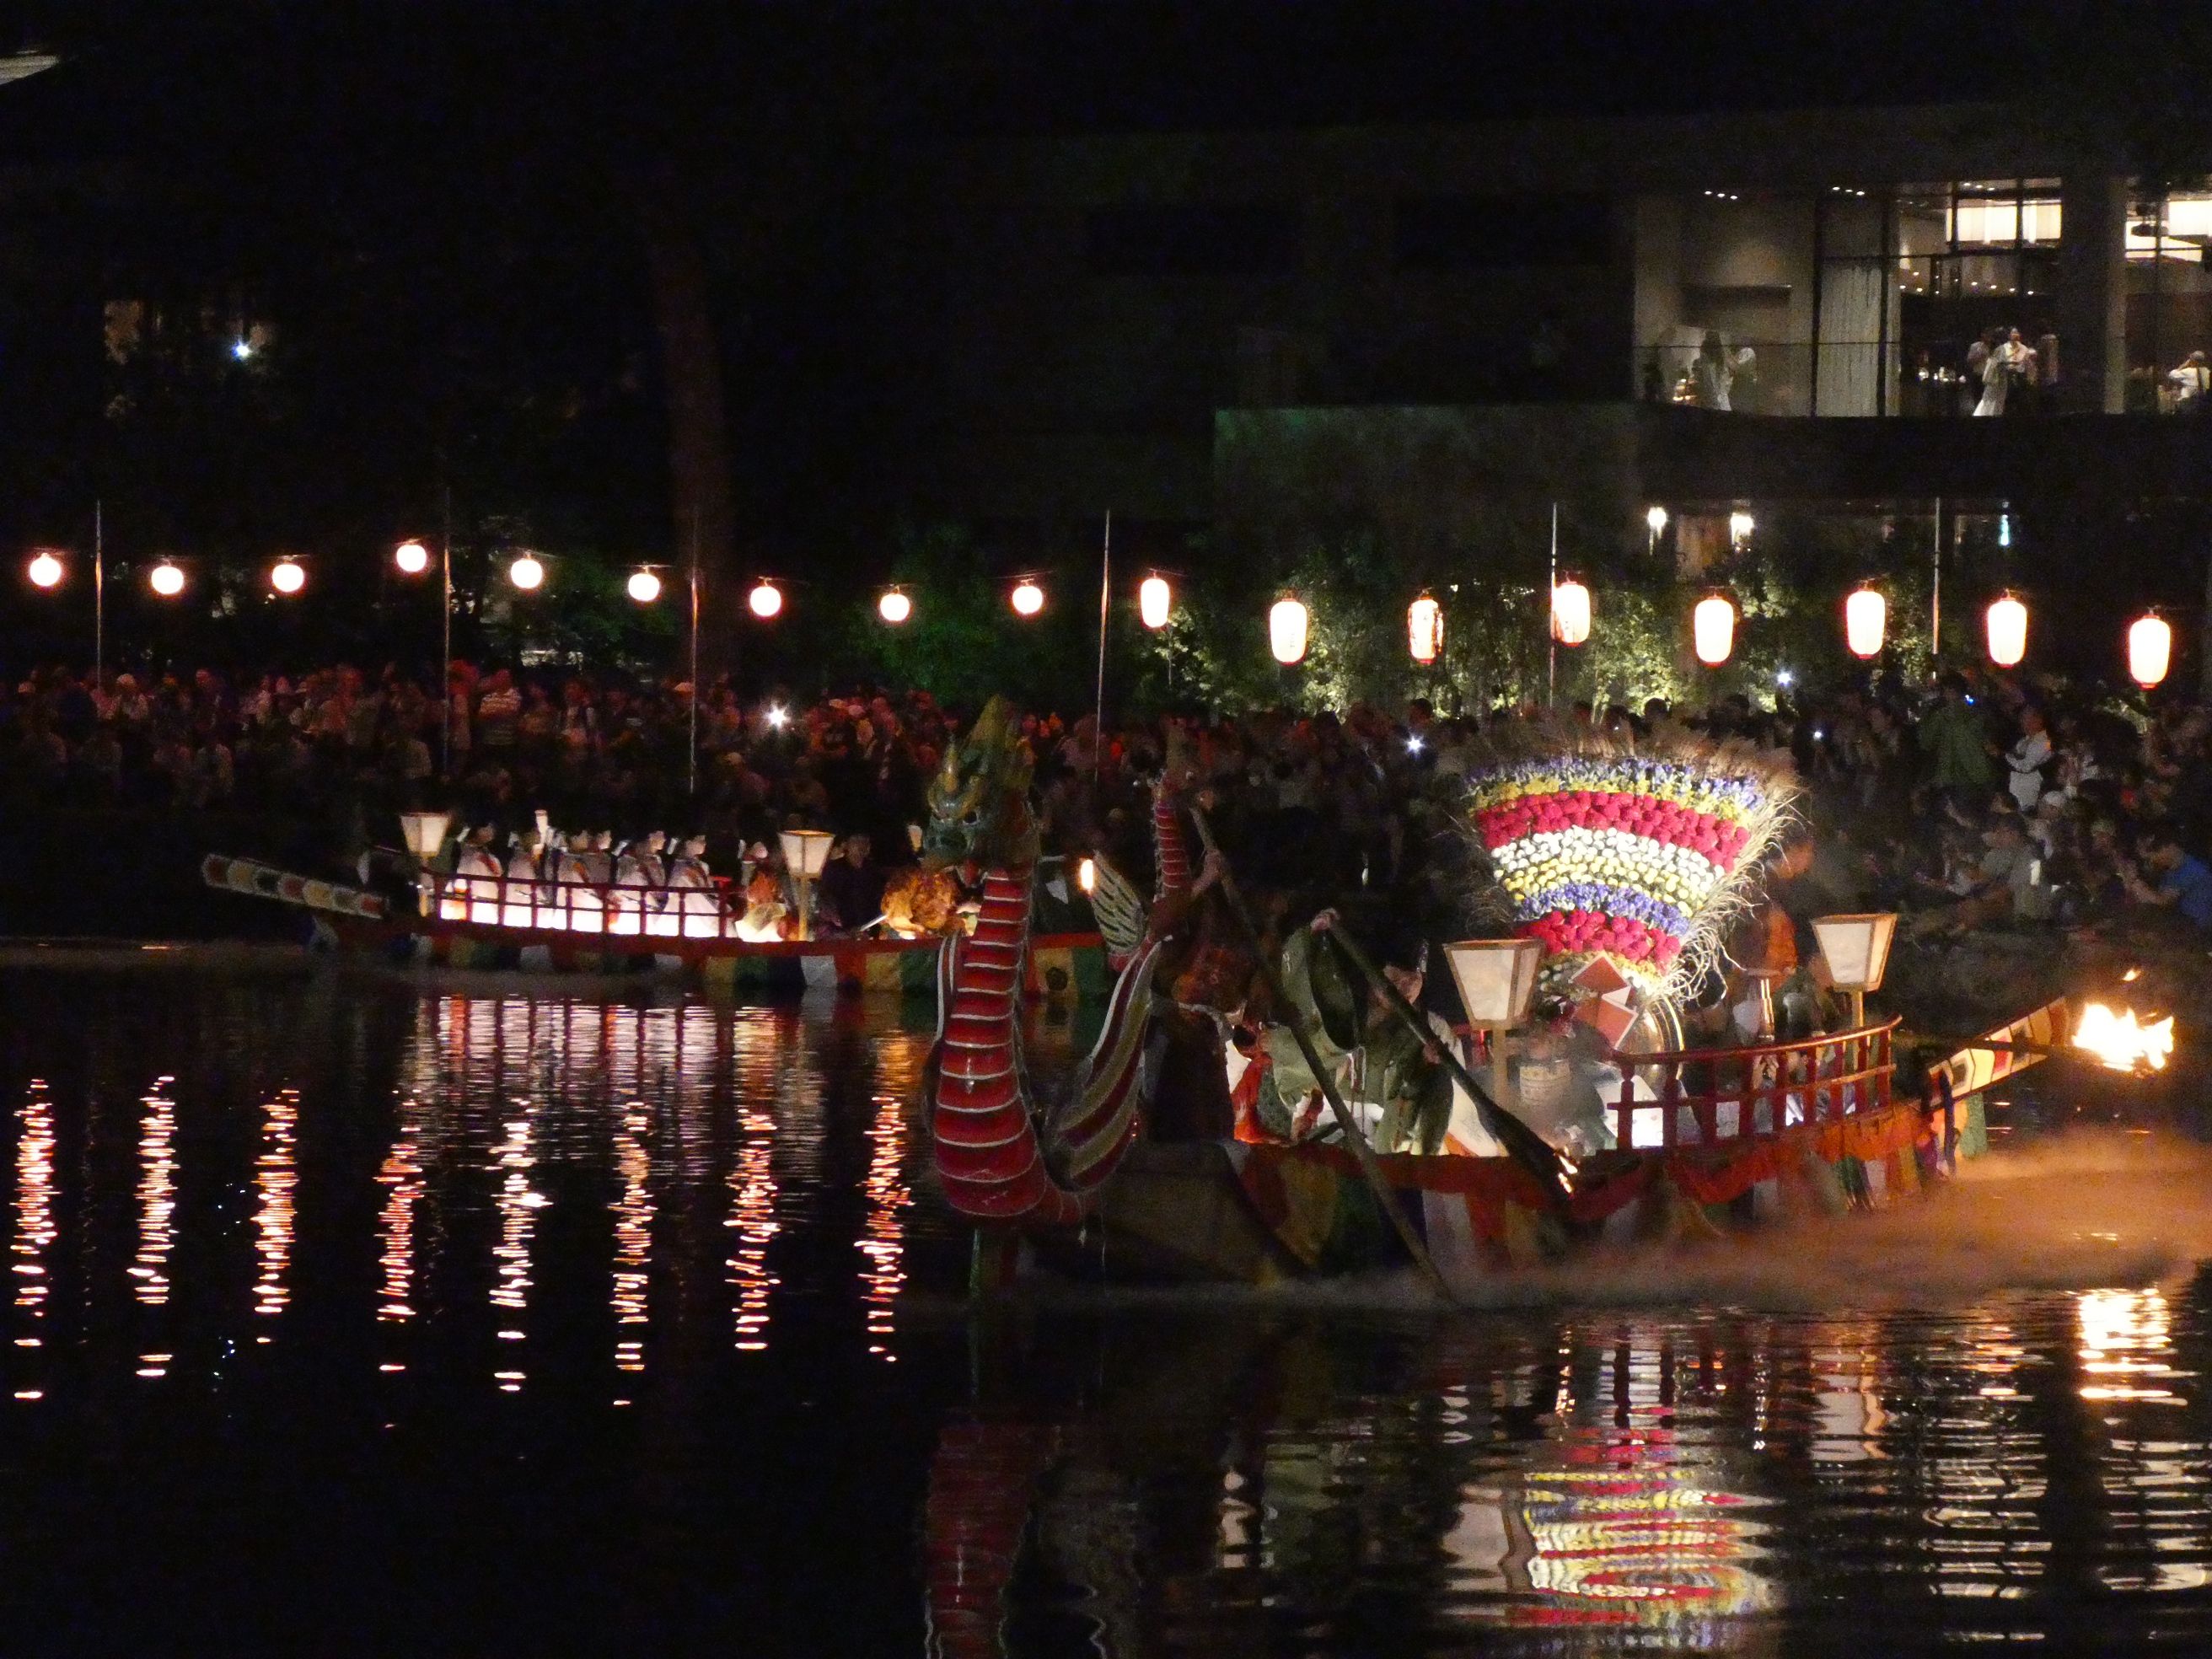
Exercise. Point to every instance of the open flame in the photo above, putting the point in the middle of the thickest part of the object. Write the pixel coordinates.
(2121, 1042)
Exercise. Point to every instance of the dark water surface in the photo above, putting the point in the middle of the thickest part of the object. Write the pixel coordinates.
(352, 1316)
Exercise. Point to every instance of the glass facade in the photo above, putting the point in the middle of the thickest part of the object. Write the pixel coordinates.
(2169, 301)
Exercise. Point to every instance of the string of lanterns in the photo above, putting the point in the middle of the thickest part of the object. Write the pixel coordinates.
(1712, 620)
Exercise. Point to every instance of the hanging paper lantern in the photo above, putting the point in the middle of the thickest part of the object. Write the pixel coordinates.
(1866, 620)
(287, 577)
(1028, 598)
(412, 558)
(1154, 599)
(1286, 631)
(1713, 628)
(2150, 650)
(165, 579)
(526, 574)
(45, 570)
(2007, 631)
(644, 587)
(895, 607)
(1424, 629)
(1571, 612)
(766, 600)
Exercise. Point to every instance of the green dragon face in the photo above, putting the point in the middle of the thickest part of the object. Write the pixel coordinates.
(979, 803)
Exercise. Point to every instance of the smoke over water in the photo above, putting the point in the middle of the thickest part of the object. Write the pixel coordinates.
(2086, 1209)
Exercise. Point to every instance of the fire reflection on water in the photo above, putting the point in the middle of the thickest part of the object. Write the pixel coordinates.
(758, 1052)
(157, 1196)
(401, 1176)
(513, 1161)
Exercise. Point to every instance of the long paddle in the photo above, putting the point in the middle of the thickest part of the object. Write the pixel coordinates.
(1362, 1153)
(1523, 1144)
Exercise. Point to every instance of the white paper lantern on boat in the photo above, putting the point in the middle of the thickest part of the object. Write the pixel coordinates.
(2150, 650)
(1712, 626)
(2007, 631)
(1286, 631)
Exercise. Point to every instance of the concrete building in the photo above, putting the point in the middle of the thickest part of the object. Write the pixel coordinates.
(1173, 326)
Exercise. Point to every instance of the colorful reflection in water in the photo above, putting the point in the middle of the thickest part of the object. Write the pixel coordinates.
(627, 1322)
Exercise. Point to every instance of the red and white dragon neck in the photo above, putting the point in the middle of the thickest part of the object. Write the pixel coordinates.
(998, 1158)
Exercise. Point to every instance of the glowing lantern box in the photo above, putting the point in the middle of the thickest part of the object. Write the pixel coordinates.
(1713, 629)
(1286, 632)
(1496, 978)
(2008, 632)
(1155, 598)
(425, 832)
(1425, 629)
(1627, 857)
(1856, 948)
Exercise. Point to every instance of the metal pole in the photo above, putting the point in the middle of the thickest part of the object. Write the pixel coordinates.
(1935, 591)
(691, 768)
(99, 601)
(1552, 634)
(445, 631)
(1105, 598)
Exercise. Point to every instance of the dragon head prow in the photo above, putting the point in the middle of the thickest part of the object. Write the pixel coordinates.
(979, 802)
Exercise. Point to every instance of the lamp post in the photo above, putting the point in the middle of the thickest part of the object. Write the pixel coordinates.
(1496, 979)
(805, 854)
(1856, 951)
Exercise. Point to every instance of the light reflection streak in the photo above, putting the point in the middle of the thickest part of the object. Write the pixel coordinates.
(276, 1178)
(513, 1159)
(633, 1210)
(157, 1196)
(401, 1176)
(2127, 1341)
(883, 1241)
(760, 1060)
(34, 1212)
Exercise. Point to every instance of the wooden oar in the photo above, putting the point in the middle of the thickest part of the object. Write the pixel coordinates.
(1362, 1153)
(1523, 1144)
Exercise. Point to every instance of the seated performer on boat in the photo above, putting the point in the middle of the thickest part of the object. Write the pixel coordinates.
(579, 907)
(851, 895)
(522, 900)
(640, 878)
(475, 892)
(692, 895)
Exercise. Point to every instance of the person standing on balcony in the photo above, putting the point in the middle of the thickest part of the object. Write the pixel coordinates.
(1714, 369)
(2010, 363)
(2192, 386)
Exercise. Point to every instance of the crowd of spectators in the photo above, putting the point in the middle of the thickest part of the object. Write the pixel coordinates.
(1988, 800)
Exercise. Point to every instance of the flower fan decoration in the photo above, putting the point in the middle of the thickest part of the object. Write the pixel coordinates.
(1631, 851)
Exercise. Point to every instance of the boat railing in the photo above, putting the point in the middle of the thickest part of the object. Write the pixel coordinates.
(622, 909)
(1706, 1097)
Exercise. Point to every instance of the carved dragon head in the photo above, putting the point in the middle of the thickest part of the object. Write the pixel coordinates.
(979, 803)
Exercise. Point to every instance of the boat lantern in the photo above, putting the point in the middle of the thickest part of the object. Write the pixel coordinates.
(805, 854)
(1086, 875)
(2150, 650)
(1496, 978)
(1154, 600)
(766, 600)
(1424, 629)
(894, 607)
(1866, 620)
(643, 586)
(1855, 950)
(1571, 612)
(412, 558)
(2007, 631)
(1286, 631)
(287, 576)
(1713, 629)
(526, 574)
(425, 832)
(45, 570)
(1028, 598)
